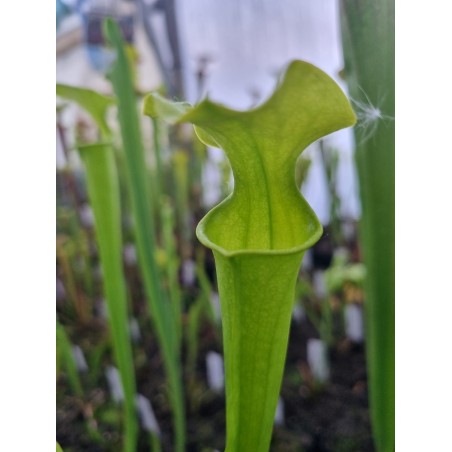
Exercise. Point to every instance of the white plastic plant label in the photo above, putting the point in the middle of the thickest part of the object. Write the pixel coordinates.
(86, 216)
(279, 415)
(147, 415)
(130, 254)
(188, 273)
(354, 328)
(215, 371)
(306, 263)
(318, 360)
(298, 313)
(134, 330)
(114, 384)
(79, 359)
(318, 281)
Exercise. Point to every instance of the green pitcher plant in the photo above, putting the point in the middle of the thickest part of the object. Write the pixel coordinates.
(103, 191)
(368, 40)
(102, 182)
(260, 232)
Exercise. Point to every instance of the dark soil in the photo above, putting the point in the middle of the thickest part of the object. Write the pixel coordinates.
(332, 418)
(329, 418)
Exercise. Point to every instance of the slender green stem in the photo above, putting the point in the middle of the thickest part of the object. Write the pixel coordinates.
(156, 445)
(206, 288)
(172, 264)
(180, 171)
(194, 316)
(158, 156)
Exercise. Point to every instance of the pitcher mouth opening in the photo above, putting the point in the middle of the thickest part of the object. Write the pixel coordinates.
(205, 238)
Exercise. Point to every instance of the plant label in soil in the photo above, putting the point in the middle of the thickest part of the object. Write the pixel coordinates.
(306, 263)
(130, 254)
(317, 360)
(86, 216)
(147, 415)
(188, 273)
(114, 384)
(79, 359)
(101, 308)
(134, 330)
(318, 281)
(215, 371)
(279, 415)
(354, 323)
(298, 313)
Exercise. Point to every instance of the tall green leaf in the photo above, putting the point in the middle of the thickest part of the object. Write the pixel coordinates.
(368, 35)
(65, 358)
(103, 192)
(142, 207)
(260, 232)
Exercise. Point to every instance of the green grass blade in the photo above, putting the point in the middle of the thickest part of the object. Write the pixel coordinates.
(142, 207)
(66, 359)
(103, 191)
(181, 179)
(260, 232)
(368, 35)
(158, 156)
(192, 336)
(64, 257)
(205, 288)
(172, 264)
(158, 175)
(155, 442)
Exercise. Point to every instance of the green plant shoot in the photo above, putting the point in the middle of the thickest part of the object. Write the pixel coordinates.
(65, 359)
(145, 230)
(103, 191)
(259, 233)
